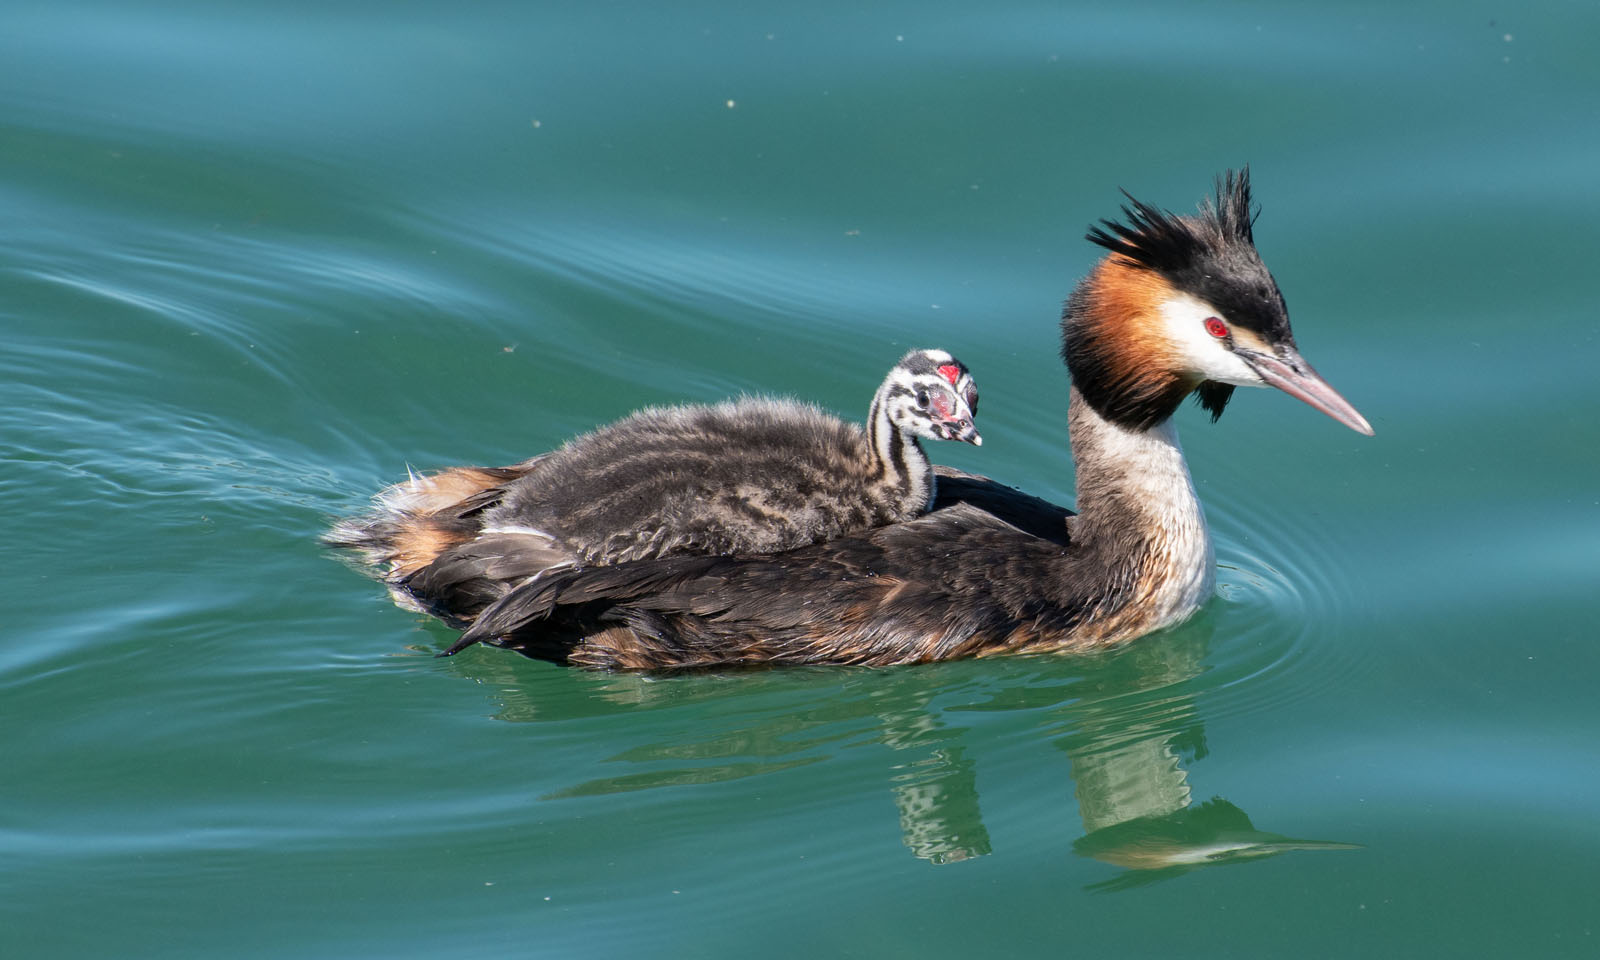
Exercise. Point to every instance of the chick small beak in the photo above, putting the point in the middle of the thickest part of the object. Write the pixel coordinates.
(1290, 373)
(954, 416)
(961, 428)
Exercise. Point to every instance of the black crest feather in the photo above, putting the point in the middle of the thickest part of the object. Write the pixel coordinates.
(1163, 241)
(1209, 254)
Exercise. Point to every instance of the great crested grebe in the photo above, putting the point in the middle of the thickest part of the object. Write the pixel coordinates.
(1179, 305)
(748, 476)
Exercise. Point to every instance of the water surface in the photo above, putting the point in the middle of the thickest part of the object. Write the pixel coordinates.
(254, 263)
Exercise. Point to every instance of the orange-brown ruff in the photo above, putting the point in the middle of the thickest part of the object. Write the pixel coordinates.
(1180, 306)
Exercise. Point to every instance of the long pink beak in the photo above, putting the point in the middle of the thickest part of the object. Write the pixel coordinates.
(1294, 376)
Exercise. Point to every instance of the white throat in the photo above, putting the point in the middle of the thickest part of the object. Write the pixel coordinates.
(1138, 480)
(901, 462)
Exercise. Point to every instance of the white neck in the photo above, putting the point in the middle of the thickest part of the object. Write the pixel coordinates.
(901, 464)
(1138, 507)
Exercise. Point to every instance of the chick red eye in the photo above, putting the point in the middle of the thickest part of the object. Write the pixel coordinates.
(1216, 327)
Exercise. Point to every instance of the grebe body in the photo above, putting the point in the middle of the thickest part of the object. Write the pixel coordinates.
(750, 476)
(1179, 306)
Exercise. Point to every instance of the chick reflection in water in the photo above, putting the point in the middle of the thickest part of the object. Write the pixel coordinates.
(1127, 721)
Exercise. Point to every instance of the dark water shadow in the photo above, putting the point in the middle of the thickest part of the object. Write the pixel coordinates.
(1128, 724)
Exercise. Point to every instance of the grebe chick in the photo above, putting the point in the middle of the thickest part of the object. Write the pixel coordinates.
(1180, 305)
(748, 476)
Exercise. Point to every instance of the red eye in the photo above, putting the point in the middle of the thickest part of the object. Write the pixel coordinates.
(1216, 327)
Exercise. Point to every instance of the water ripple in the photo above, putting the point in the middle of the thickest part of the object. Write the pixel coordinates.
(1284, 615)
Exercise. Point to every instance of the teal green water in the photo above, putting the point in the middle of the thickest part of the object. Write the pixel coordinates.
(253, 263)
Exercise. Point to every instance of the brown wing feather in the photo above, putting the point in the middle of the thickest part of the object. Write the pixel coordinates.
(945, 585)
